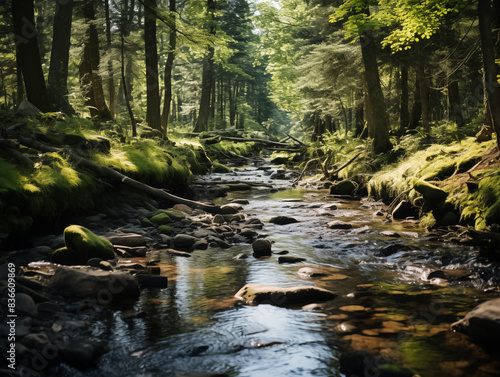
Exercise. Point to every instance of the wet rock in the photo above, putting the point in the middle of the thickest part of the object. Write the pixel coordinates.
(313, 308)
(482, 323)
(240, 201)
(312, 272)
(435, 197)
(26, 305)
(338, 224)
(178, 253)
(261, 248)
(248, 233)
(230, 209)
(255, 294)
(128, 239)
(183, 208)
(36, 341)
(184, 240)
(239, 187)
(133, 314)
(389, 250)
(88, 282)
(99, 263)
(403, 210)
(283, 220)
(345, 328)
(241, 256)
(82, 354)
(48, 307)
(345, 187)
(389, 233)
(161, 218)
(290, 259)
(202, 374)
(449, 274)
(282, 252)
(200, 245)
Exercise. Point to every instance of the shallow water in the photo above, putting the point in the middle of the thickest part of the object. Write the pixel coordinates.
(384, 306)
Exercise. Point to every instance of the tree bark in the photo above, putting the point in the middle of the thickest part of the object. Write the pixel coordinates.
(416, 109)
(111, 80)
(380, 130)
(404, 115)
(454, 105)
(490, 70)
(90, 80)
(169, 65)
(424, 90)
(153, 118)
(28, 53)
(207, 78)
(124, 85)
(59, 57)
(359, 113)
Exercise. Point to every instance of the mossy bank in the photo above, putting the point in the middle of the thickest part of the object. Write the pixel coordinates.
(36, 196)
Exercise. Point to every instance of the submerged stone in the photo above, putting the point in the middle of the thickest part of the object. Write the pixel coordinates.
(283, 220)
(261, 248)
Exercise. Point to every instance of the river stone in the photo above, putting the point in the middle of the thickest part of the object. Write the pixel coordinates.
(231, 208)
(289, 259)
(255, 294)
(389, 250)
(37, 341)
(283, 220)
(184, 240)
(151, 281)
(339, 224)
(313, 272)
(261, 247)
(128, 239)
(248, 233)
(89, 282)
(26, 305)
(82, 354)
(482, 323)
(183, 208)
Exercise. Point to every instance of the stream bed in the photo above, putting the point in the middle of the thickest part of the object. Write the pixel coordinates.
(388, 304)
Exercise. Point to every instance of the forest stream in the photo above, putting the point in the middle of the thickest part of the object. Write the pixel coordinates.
(396, 303)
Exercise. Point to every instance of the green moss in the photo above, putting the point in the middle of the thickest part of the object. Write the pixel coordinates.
(165, 229)
(174, 214)
(161, 219)
(86, 244)
(220, 168)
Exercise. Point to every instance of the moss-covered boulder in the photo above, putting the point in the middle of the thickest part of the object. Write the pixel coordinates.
(443, 211)
(161, 218)
(220, 168)
(165, 229)
(174, 214)
(345, 187)
(82, 245)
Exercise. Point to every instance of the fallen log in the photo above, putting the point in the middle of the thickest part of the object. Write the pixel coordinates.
(104, 171)
(256, 140)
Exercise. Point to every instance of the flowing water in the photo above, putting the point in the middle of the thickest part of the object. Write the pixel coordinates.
(385, 305)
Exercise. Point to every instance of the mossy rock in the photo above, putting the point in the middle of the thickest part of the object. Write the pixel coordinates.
(433, 195)
(86, 244)
(174, 214)
(345, 187)
(161, 219)
(165, 229)
(145, 222)
(220, 168)
(65, 256)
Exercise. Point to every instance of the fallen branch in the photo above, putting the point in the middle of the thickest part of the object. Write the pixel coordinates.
(335, 172)
(305, 169)
(256, 140)
(104, 171)
(297, 140)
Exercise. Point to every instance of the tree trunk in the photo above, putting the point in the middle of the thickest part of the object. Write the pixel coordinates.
(359, 112)
(59, 58)
(111, 79)
(207, 77)
(153, 118)
(380, 130)
(232, 102)
(90, 80)
(124, 85)
(454, 105)
(19, 82)
(169, 65)
(29, 54)
(404, 116)
(416, 109)
(241, 122)
(424, 90)
(490, 71)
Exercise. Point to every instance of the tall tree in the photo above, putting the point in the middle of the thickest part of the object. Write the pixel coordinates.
(90, 79)
(111, 79)
(207, 75)
(380, 130)
(28, 53)
(490, 69)
(169, 65)
(59, 58)
(151, 51)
